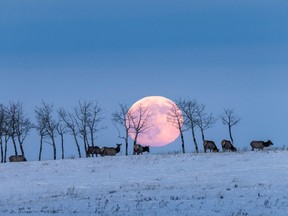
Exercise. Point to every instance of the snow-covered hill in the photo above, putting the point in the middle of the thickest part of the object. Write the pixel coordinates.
(235, 184)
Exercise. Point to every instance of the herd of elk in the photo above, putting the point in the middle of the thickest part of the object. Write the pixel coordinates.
(228, 146)
(110, 151)
(104, 151)
(139, 149)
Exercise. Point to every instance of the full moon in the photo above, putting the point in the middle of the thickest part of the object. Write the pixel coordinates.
(160, 132)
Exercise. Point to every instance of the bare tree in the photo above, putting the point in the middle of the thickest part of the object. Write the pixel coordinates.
(189, 108)
(5, 132)
(2, 130)
(62, 130)
(48, 125)
(204, 120)
(88, 121)
(6, 139)
(19, 125)
(121, 118)
(230, 119)
(11, 119)
(175, 117)
(24, 126)
(94, 121)
(41, 127)
(81, 120)
(139, 121)
(70, 122)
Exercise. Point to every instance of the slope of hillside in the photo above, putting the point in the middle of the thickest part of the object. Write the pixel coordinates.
(235, 184)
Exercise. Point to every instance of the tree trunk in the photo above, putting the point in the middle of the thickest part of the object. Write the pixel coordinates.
(5, 150)
(230, 134)
(126, 142)
(92, 141)
(62, 144)
(21, 145)
(194, 140)
(22, 149)
(77, 144)
(135, 142)
(2, 153)
(41, 145)
(85, 145)
(15, 146)
(182, 139)
(92, 138)
(54, 147)
(202, 134)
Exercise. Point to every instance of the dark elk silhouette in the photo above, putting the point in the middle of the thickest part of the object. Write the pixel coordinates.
(227, 145)
(138, 149)
(17, 158)
(207, 144)
(260, 144)
(110, 151)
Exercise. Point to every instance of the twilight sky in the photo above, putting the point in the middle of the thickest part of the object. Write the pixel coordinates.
(226, 54)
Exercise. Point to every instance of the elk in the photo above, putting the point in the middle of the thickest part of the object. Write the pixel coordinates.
(93, 150)
(227, 145)
(138, 149)
(17, 158)
(110, 151)
(210, 145)
(260, 144)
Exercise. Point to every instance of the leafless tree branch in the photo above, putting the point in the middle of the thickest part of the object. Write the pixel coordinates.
(175, 117)
(121, 118)
(230, 119)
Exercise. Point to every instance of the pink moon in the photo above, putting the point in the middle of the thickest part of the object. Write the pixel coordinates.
(161, 132)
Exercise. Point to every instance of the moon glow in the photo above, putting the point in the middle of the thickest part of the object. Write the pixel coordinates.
(161, 132)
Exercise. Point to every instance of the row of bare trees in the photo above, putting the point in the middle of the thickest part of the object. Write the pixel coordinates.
(84, 123)
(134, 122)
(14, 126)
(184, 114)
(193, 115)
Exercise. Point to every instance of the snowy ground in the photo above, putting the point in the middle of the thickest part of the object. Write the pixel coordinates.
(235, 184)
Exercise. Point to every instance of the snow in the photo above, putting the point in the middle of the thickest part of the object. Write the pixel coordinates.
(234, 184)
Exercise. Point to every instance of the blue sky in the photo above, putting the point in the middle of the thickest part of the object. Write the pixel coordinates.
(222, 53)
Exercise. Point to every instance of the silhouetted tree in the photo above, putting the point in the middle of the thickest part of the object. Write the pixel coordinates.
(70, 122)
(2, 130)
(139, 121)
(94, 120)
(11, 119)
(121, 118)
(62, 130)
(24, 126)
(88, 120)
(49, 125)
(81, 120)
(19, 125)
(204, 120)
(40, 126)
(175, 117)
(230, 119)
(189, 108)
(6, 139)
